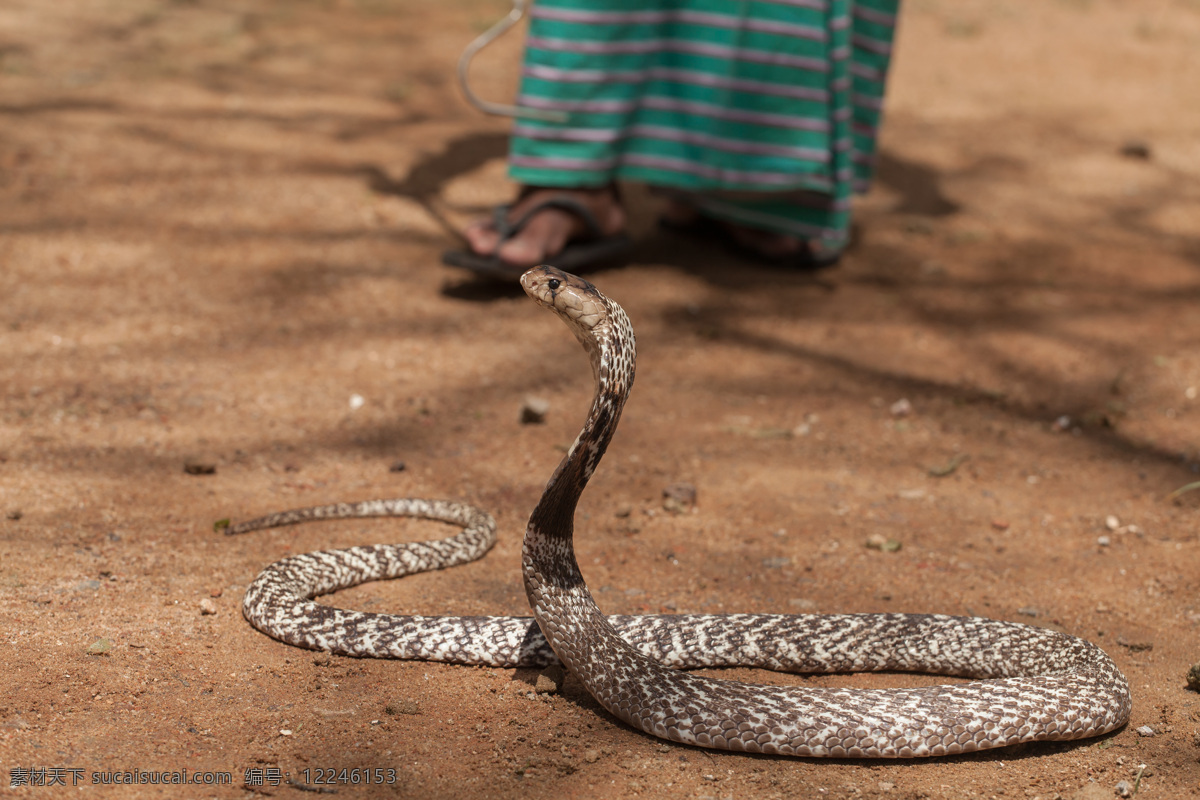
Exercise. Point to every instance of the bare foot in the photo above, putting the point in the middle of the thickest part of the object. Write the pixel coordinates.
(768, 244)
(549, 231)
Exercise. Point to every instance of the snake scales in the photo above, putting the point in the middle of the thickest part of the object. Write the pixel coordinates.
(1032, 683)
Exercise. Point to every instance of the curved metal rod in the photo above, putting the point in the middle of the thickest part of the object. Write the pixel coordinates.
(486, 106)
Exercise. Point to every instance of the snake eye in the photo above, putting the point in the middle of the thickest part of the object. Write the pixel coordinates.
(554, 283)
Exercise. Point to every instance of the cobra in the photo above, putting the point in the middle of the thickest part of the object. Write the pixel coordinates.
(1029, 684)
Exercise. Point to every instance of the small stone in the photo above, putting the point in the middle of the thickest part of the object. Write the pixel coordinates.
(207, 607)
(877, 541)
(534, 411)
(397, 466)
(1062, 423)
(1001, 524)
(402, 707)
(1193, 677)
(200, 466)
(591, 756)
(1112, 523)
(1029, 611)
(1103, 541)
(803, 604)
(217, 592)
(1135, 148)
(901, 408)
(15, 514)
(285, 732)
(623, 512)
(886, 786)
(357, 401)
(776, 563)
(1145, 731)
(550, 680)
(1135, 642)
(679, 497)
(1092, 791)
(99, 647)
(1123, 789)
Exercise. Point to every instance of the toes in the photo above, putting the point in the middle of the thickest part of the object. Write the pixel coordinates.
(482, 237)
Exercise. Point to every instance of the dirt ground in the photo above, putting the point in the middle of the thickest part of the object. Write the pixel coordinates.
(220, 221)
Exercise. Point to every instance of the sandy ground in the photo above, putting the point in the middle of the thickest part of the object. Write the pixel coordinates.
(220, 221)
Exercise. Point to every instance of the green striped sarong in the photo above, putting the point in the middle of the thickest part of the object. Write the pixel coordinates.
(764, 111)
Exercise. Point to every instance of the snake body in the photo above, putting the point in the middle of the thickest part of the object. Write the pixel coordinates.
(1031, 683)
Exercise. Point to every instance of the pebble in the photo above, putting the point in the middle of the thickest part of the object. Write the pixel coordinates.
(803, 604)
(1028, 612)
(901, 408)
(99, 647)
(402, 707)
(1145, 731)
(591, 756)
(199, 466)
(534, 411)
(1001, 524)
(776, 563)
(679, 497)
(623, 512)
(1062, 423)
(886, 786)
(207, 607)
(15, 514)
(877, 541)
(1136, 641)
(285, 732)
(1111, 522)
(1092, 791)
(1103, 541)
(397, 466)
(550, 680)
(1135, 148)
(1123, 789)
(1193, 677)
(357, 401)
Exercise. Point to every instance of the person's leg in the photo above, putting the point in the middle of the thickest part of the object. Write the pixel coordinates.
(765, 100)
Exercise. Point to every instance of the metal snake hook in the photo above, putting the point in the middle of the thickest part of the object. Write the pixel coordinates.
(482, 41)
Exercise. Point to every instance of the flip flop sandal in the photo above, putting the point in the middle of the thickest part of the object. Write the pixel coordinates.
(583, 253)
(707, 229)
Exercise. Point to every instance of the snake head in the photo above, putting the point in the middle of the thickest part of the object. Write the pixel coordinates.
(578, 302)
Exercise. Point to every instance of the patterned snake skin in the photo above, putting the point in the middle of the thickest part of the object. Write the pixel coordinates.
(1032, 684)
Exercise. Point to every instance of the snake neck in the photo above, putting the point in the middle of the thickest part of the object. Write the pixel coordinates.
(553, 519)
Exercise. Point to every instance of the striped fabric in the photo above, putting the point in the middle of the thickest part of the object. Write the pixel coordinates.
(767, 110)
